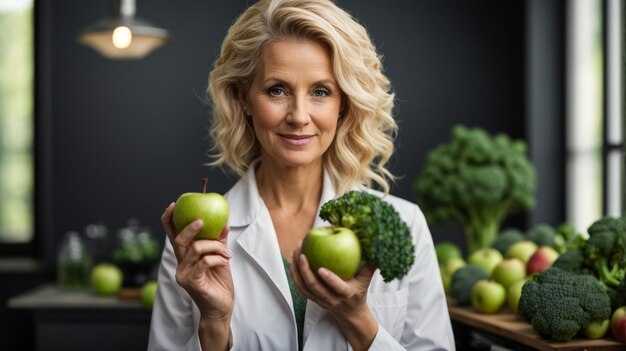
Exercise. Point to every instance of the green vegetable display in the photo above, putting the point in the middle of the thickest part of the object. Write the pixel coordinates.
(463, 281)
(477, 179)
(385, 238)
(559, 304)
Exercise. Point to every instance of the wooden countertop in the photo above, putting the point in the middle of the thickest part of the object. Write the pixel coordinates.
(511, 326)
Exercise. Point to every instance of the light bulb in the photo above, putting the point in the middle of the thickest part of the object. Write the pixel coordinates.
(122, 37)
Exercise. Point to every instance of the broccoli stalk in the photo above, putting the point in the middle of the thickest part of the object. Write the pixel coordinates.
(385, 238)
(478, 180)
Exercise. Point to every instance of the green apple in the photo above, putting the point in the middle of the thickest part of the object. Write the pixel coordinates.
(509, 271)
(146, 294)
(447, 270)
(488, 296)
(522, 249)
(106, 279)
(596, 329)
(618, 324)
(447, 250)
(211, 208)
(334, 248)
(541, 260)
(487, 258)
(513, 293)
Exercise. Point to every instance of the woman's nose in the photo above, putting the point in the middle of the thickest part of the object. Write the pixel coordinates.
(298, 113)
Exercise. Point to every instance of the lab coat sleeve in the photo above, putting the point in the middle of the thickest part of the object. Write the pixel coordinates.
(427, 325)
(172, 325)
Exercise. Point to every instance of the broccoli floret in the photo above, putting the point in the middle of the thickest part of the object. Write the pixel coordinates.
(462, 282)
(477, 179)
(543, 235)
(605, 250)
(507, 238)
(568, 238)
(558, 304)
(385, 238)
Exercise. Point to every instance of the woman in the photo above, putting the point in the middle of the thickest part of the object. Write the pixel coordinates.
(302, 111)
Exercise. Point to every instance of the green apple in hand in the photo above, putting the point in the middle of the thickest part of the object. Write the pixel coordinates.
(211, 208)
(106, 279)
(488, 296)
(334, 248)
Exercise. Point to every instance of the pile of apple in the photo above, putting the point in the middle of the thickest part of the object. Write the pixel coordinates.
(507, 273)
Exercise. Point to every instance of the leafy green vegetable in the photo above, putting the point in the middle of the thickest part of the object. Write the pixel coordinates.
(462, 282)
(477, 179)
(385, 238)
(507, 238)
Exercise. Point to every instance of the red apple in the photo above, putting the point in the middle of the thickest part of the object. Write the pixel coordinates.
(487, 258)
(334, 248)
(488, 296)
(618, 324)
(509, 271)
(541, 260)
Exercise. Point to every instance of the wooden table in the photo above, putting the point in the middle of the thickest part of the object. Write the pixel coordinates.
(510, 326)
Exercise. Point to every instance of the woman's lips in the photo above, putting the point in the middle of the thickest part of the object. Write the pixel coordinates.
(296, 139)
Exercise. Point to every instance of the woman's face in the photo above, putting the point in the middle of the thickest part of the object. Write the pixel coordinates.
(294, 102)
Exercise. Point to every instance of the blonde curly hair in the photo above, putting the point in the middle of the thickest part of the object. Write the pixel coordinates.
(366, 129)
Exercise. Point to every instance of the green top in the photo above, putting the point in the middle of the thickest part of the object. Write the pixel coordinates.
(299, 303)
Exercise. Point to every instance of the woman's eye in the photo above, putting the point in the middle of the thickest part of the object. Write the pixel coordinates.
(321, 92)
(276, 91)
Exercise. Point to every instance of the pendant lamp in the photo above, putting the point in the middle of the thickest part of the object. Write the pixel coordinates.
(123, 36)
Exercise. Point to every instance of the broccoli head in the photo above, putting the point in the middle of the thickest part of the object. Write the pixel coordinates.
(477, 179)
(605, 250)
(385, 238)
(568, 238)
(507, 238)
(463, 279)
(543, 235)
(558, 304)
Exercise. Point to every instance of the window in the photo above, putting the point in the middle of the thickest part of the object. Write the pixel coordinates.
(594, 117)
(16, 121)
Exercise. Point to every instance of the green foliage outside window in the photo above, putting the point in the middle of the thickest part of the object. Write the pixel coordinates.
(16, 120)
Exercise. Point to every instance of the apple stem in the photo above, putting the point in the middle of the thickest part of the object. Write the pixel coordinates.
(204, 181)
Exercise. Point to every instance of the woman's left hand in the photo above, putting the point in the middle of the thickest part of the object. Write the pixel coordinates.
(345, 300)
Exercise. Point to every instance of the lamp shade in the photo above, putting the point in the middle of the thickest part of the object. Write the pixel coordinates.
(123, 36)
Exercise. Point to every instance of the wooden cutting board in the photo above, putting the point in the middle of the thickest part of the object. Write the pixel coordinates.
(511, 326)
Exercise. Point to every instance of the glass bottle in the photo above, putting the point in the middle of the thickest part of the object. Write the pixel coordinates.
(73, 263)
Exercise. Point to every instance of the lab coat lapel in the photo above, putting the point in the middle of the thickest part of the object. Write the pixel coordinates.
(261, 245)
(257, 239)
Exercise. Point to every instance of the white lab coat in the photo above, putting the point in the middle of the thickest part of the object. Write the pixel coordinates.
(412, 313)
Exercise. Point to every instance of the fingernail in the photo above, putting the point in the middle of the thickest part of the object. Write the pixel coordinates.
(323, 272)
(228, 253)
(197, 224)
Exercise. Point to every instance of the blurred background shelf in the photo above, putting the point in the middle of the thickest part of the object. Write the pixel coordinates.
(510, 327)
(81, 320)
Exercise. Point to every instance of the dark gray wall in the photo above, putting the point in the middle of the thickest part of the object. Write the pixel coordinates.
(127, 137)
(123, 139)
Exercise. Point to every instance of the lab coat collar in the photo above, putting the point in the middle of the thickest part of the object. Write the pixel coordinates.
(245, 196)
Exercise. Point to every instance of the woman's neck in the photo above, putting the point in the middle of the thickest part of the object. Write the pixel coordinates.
(289, 188)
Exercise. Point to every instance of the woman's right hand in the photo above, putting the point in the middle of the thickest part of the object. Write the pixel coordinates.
(203, 268)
